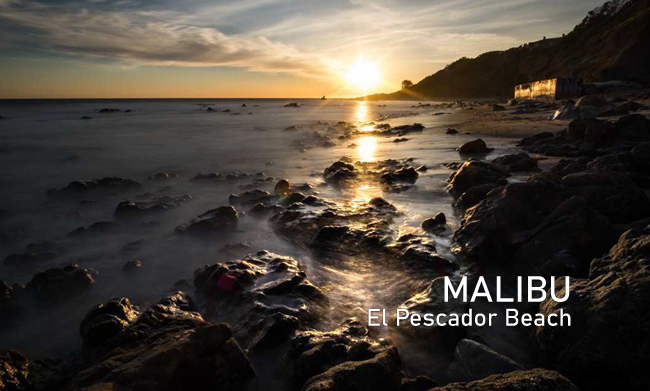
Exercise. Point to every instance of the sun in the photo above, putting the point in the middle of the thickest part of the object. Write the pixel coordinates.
(364, 75)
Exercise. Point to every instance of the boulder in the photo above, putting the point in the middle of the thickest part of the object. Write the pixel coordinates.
(213, 221)
(133, 209)
(530, 380)
(475, 361)
(605, 346)
(168, 347)
(477, 146)
(250, 197)
(496, 107)
(435, 223)
(473, 173)
(517, 162)
(282, 188)
(107, 184)
(58, 284)
(338, 171)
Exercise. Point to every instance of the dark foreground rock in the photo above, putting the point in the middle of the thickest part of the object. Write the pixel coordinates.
(344, 359)
(131, 209)
(167, 347)
(475, 361)
(265, 296)
(606, 346)
(519, 162)
(530, 380)
(473, 180)
(58, 284)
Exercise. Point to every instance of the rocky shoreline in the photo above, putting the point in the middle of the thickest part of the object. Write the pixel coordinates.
(258, 318)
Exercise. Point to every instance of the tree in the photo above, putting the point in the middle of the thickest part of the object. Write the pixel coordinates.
(407, 84)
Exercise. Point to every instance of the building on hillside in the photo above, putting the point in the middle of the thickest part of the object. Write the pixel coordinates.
(551, 89)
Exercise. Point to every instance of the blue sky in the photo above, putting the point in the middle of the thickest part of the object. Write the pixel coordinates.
(297, 48)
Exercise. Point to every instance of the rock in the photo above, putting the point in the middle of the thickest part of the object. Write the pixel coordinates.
(513, 102)
(607, 303)
(566, 112)
(85, 117)
(477, 146)
(517, 162)
(435, 223)
(451, 131)
(292, 198)
(344, 359)
(260, 210)
(282, 188)
(212, 177)
(406, 129)
(134, 209)
(401, 140)
(474, 195)
(98, 228)
(407, 174)
(630, 106)
(58, 284)
(530, 380)
(33, 254)
(109, 110)
(473, 173)
(591, 100)
(210, 110)
(250, 197)
(535, 138)
(126, 353)
(420, 383)
(475, 361)
(14, 371)
(107, 184)
(265, 296)
(213, 221)
(132, 266)
(633, 127)
(293, 104)
(339, 171)
(496, 107)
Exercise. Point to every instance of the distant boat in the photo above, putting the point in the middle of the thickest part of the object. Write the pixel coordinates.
(323, 98)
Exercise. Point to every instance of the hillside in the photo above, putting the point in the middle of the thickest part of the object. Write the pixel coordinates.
(611, 43)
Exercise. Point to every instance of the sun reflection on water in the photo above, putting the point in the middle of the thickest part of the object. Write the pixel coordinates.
(361, 111)
(366, 147)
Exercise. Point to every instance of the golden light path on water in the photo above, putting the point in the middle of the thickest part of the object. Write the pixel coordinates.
(366, 146)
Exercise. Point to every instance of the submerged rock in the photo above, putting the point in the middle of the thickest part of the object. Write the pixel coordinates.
(33, 254)
(213, 221)
(58, 284)
(129, 209)
(250, 197)
(107, 184)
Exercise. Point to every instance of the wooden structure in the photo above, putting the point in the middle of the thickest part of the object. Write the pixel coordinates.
(551, 89)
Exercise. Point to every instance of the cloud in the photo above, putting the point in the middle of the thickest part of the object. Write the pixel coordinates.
(153, 38)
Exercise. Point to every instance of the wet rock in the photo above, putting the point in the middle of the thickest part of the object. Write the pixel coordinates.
(33, 254)
(530, 380)
(132, 266)
(420, 383)
(14, 371)
(407, 174)
(108, 184)
(282, 188)
(292, 104)
(474, 195)
(210, 177)
(250, 197)
(498, 108)
(451, 131)
(338, 171)
(213, 221)
(519, 162)
(345, 359)
(435, 223)
(473, 173)
(292, 198)
(126, 353)
(401, 140)
(98, 228)
(477, 146)
(162, 176)
(58, 284)
(109, 110)
(85, 117)
(535, 138)
(210, 110)
(513, 102)
(132, 209)
(591, 100)
(265, 295)
(475, 361)
(406, 129)
(261, 210)
(607, 303)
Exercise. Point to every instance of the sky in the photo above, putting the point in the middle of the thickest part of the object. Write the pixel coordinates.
(255, 48)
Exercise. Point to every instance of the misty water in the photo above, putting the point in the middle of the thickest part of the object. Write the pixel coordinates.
(45, 144)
